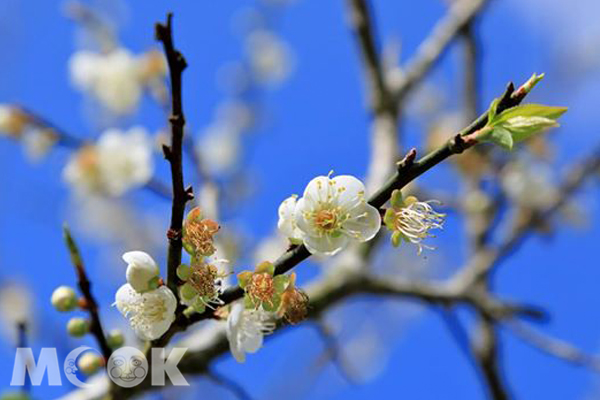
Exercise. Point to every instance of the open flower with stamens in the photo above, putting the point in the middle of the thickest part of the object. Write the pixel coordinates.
(202, 285)
(150, 314)
(411, 220)
(334, 212)
(246, 329)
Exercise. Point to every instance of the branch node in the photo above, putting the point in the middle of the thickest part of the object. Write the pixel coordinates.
(407, 161)
(173, 234)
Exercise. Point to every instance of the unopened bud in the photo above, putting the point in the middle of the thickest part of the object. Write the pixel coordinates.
(78, 327)
(64, 299)
(89, 363)
(115, 339)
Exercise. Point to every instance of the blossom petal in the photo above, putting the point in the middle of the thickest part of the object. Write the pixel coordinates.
(252, 343)
(364, 222)
(125, 296)
(348, 190)
(326, 245)
(287, 223)
(304, 207)
(318, 191)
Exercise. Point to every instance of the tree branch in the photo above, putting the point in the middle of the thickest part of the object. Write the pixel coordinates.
(85, 287)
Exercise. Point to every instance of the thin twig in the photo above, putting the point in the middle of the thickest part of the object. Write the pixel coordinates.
(173, 153)
(85, 287)
(552, 346)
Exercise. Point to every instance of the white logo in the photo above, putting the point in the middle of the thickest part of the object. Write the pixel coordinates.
(127, 367)
(70, 366)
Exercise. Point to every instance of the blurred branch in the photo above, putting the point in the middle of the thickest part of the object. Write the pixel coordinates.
(173, 153)
(460, 14)
(486, 350)
(332, 351)
(554, 347)
(85, 287)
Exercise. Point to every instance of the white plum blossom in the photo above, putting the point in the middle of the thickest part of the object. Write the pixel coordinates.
(150, 314)
(332, 213)
(287, 220)
(117, 78)
(116, 163)
(246, 330)
(113, 78)
(142, 271)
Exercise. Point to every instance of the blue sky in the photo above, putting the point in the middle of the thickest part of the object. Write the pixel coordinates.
(317, 122)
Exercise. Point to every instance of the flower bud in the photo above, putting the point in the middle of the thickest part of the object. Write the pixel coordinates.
(64, 299)
(78, 327)
(142, 271)
(89, 363)
(115, 339)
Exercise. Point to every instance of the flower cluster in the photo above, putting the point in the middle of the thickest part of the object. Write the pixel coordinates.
(411, 220)
(332, 213)
(117, 162)
(203, 277)
(150, 308)
(117, 78)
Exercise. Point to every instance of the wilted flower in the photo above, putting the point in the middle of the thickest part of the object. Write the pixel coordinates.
(411, 220)
(202, 285)
(150, 314)
(262, 287)
(117, 162)
(142, 271)
(333, 212)
(245, 330)
(64, 298)
(294, 302)
(198, 233)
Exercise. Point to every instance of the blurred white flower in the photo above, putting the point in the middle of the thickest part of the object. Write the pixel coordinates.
(150, 314)
(333, 212)
(142, 272)
(219, 147)
(246, 329)
(38, 142)
(529, 185)
(287, 219)
(116, 78)
(117, 162)
(271, 59)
